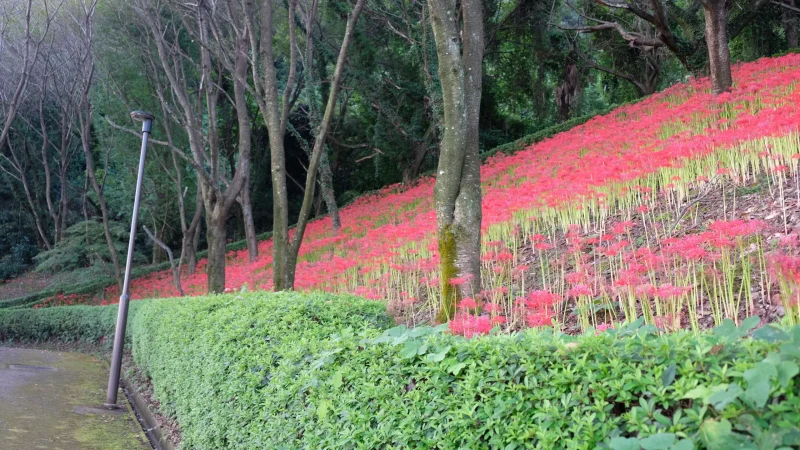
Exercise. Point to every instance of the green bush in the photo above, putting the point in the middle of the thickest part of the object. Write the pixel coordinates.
(64, 324)
(317, 371)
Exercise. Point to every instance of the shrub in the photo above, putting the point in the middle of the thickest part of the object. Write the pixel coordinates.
(65, 324)
(291, 372)
(314, 371)
(214, 361)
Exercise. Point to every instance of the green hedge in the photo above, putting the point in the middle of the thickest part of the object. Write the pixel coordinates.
(63, 324)
(316, 371)
(97, 285)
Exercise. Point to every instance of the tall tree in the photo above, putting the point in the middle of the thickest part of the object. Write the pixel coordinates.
(196, 103)
(459, 46)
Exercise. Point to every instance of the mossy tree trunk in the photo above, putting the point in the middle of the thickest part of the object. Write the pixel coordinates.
(457, 192)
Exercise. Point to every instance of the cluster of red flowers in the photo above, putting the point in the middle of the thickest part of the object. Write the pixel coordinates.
(386, 248)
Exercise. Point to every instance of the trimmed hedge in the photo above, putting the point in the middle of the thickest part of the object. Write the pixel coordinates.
(63, 324)
(96, 285)
(316, 371)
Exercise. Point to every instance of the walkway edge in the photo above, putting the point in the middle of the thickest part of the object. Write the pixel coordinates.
(148, 421)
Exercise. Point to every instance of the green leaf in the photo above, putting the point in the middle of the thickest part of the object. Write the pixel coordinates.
(757, 394)
(719, 435)
(726, 330)
(322, 409)
(786, 371)
(622, 443)
(750, 323)
(336, 380)
(455, 369)
(396, 331)
(771, 333)
(763, 371)
(722, 399)
(669, 375)
(660, 441)
(700, 392)
(410, 349)
(684, 444)
(439, 356)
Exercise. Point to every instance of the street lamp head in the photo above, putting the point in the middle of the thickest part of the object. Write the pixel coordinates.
(141, 116)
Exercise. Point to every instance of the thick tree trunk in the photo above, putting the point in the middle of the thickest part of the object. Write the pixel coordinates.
(458, 191)
(216, 236)
(719, 56)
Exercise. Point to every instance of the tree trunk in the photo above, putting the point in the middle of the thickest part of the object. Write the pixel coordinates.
(319, 144)
(249, 224)
(101, 201)
(216, 236)
(719, 57)
(789, 21)
(326, 187)
(458, 191)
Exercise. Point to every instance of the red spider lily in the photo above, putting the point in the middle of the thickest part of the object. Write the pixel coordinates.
(458, 281)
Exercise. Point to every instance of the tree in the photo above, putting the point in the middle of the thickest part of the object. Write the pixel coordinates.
(457, 192)
(196, 102)
(276, 115)
(700, 43)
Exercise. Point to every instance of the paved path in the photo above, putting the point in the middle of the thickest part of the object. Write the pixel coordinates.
(51, 400)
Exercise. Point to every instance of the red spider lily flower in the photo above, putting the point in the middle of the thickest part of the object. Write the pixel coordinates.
(580, 290)
(491, 308)
(538, 319)
(467, 303)
(458, 281)
(603, 327)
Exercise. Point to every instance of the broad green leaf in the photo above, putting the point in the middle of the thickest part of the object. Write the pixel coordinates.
(700, 392)
(726, 330)
(684, 444)
(623, 443)
(757, 394)
(763, 371)
(396, 331)
(722, 399)
(455, 369)
(660, 441)
(719, 435)
(410, 349)
(771, 333)
(750, 323)
(786, 371)
(438, 356)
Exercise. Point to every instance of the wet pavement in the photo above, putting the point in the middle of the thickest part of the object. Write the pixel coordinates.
(53, 400)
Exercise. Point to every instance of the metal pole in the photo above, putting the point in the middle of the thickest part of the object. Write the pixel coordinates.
(124, 299)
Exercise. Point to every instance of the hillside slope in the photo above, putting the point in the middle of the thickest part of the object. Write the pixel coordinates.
(571, 221)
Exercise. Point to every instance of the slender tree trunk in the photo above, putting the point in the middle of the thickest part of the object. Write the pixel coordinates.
(191, 236)
(326, 188)
(249, 224)
(458, 191)
(22, 177)
(789, 21)
(176, 268)
(319, 144)
(101, 201)
(719, 57)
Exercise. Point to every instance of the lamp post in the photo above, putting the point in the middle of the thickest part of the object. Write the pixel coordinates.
(124, 299)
